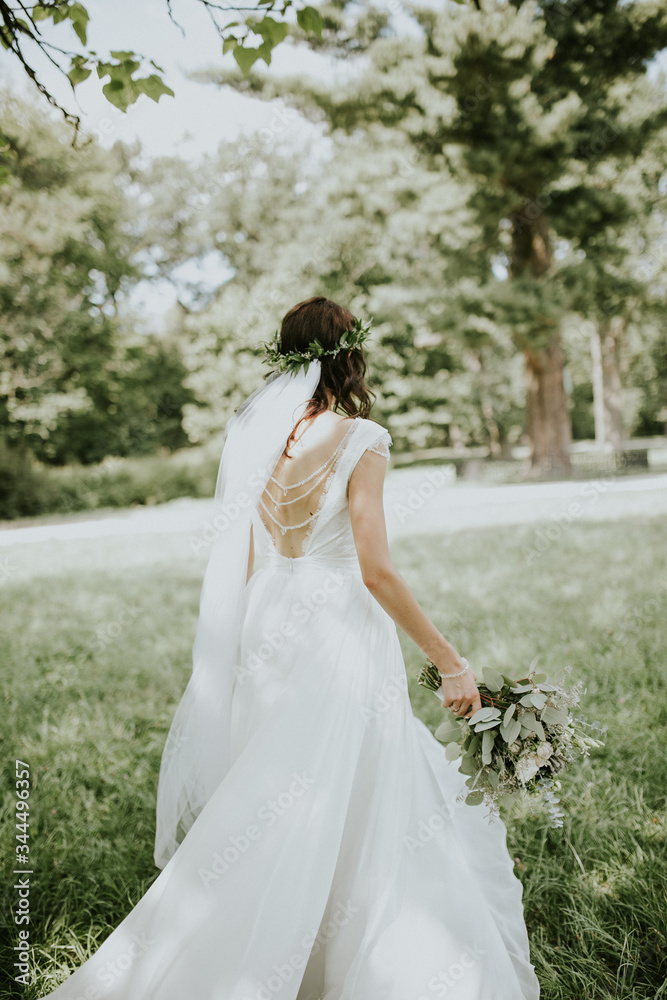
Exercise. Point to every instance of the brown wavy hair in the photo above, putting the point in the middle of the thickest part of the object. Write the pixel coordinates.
(344, 374)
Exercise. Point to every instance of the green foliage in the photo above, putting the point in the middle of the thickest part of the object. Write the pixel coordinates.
(77, 382)
(30, 489)
(352, 339)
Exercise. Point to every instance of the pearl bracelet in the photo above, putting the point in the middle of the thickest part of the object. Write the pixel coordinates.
(460, 673)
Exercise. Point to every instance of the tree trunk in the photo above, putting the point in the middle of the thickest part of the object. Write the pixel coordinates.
(548, 419)
(607, 405)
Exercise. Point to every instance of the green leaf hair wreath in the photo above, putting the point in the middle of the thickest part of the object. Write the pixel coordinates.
(291, 362)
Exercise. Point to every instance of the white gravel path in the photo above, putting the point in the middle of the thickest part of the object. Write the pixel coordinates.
(417, 500)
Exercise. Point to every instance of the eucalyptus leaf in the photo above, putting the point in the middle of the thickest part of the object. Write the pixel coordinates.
(493, 680)
(488, 740)
(530, 722)
(481, 726)
(485, 714)
(554, 716)
(468, 765)
(511, 732)
(453, 751)
(474, 798)
(538, 699)
(449, 732)
(509, 714)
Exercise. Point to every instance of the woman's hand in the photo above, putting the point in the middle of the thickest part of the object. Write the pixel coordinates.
(460, 694)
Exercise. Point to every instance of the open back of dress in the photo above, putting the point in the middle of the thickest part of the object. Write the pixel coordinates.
(296, 490)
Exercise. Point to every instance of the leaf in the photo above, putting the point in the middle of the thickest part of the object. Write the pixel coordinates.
(468, 766)
(526, 700)
(547, 687)
(529, 721)
(509, 714)
(448, 732)
(78, 15)
(537, 678)
(245, 58)
(493, 680)
(509, 733)
(453, 751)
(271, 31)
(533, 663)
(488, 739)
(40, 13)
(265, 51)
(117, 94)
(154, 87)
(486, 759)
(538, 699)
(78, 74)
(474, 798)
(481, 726)
(310, 19)
(474, 745)
(554, 716)
(485, 714)
(493, 778)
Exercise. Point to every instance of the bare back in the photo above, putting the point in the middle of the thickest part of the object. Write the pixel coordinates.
(298, 484)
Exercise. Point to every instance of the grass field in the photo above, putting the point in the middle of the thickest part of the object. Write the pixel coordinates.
(96, 647)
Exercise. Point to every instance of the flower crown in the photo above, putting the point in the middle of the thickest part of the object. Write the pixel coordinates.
(291, 362)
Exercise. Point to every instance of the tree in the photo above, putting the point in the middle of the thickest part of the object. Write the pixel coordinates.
(368, 226)
(527, 100)
(76, 382)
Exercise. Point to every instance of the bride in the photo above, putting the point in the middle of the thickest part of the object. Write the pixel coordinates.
(308, 826)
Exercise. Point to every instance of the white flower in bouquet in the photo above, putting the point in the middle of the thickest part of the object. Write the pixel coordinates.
(527, 767)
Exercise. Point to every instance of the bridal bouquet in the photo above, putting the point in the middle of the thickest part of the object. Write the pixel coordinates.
(522, 736)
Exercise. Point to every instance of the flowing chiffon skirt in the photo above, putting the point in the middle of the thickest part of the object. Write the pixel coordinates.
(333, 861)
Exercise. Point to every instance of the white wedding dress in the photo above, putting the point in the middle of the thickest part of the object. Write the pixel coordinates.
(333, 860)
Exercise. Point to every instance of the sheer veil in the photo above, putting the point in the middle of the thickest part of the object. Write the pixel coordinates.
(196, 755)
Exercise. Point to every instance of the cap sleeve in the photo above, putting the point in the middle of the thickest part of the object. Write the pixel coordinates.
(382, 444)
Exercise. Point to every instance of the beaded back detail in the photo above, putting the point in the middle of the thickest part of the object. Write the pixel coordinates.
(289, 509)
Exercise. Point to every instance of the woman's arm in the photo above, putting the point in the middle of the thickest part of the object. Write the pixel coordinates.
(390, 589)
(251, 556)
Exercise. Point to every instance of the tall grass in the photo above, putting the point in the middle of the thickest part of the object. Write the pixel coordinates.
(96, 649)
